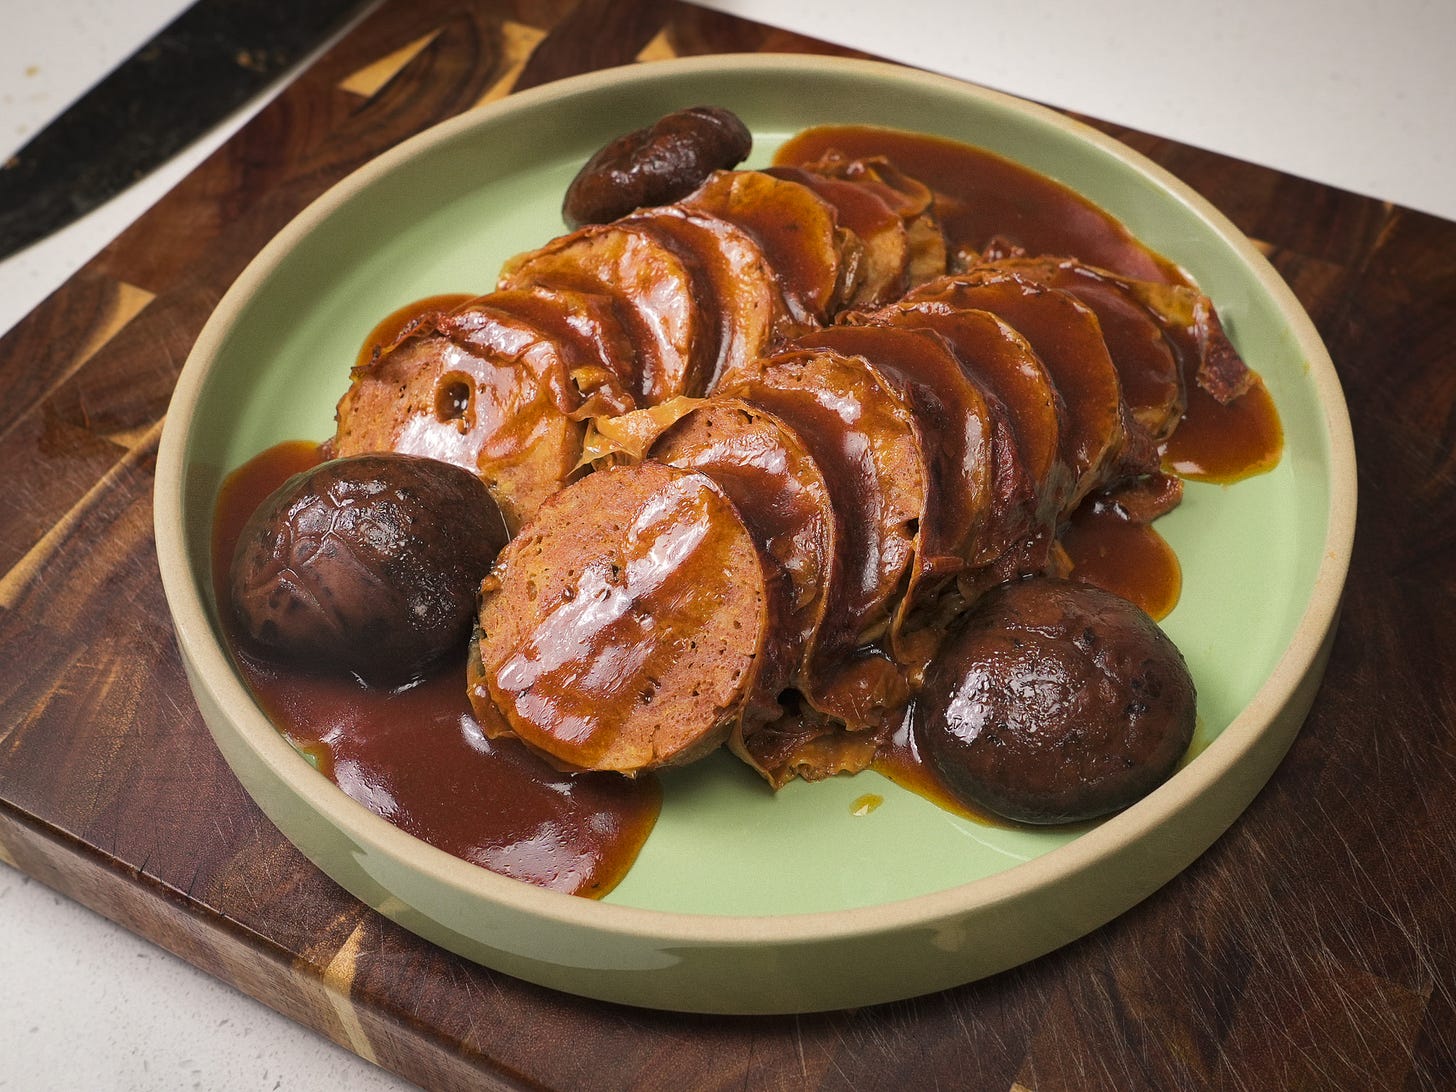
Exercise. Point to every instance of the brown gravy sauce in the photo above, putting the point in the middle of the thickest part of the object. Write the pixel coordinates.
(417, 757)
(396, 324)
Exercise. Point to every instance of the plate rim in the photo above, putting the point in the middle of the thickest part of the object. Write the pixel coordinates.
(197, 639)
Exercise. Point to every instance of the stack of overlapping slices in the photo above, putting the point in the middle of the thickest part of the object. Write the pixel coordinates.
(760, 446)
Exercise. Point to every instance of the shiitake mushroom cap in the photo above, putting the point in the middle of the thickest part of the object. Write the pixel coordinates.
(369, 564)
(1053, 701)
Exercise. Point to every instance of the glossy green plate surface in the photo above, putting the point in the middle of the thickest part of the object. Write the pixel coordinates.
(745, 900)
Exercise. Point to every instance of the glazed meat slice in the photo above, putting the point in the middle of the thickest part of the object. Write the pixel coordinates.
(654, 290)
(1152, 379)
(766, 470)
(885, 267)
(912, 200)
(863, 434)
(628, 626)
(1068, 339)
(1031, 482)
(481, 389)
(737, 285)
(764, 467)
(1205, 354)
(816, 259)
(601, 360)
(959, 458)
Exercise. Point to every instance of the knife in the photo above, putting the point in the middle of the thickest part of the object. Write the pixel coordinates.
(198, 69)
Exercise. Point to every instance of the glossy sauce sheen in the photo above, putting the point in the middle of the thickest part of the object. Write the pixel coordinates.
(417, 757)
(392, 326)
(982, 198)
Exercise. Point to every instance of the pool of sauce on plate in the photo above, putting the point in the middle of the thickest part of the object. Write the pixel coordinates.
(417, 757)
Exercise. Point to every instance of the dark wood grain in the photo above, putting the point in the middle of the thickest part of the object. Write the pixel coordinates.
(1312, 947)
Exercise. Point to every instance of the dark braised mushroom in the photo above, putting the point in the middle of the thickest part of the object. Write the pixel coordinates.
(1054, 702)
(656, 165)
(370, 564)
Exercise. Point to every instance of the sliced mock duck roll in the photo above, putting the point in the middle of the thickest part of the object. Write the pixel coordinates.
(1068, 339)
(911, 199)
(656, 294)
(629, 625)
(817, 259)
(737, 285)
(1146, 358)
(956, 429)
(1031, 481)
(479, 388)
(863, 433)
(766, 469)
(885, 261)
(600, 358)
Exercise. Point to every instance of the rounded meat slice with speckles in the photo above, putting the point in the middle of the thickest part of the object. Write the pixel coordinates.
(765, 468)
(600, 358)
(815, 258)
(864, 435)
(1146, 359)
(959, 457)
(886, 257)
(1066, 336)
(737, 286)
(657, 297)
(628, 625)
(480, 388)
(1031, 480)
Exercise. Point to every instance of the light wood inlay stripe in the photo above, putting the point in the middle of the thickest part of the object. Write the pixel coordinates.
(127, 304)
(338, 987)
(368, 81)
(519, 41)
(659, 49)
(14, 582)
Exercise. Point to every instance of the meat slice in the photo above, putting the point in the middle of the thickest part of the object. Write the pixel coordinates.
(885, 268)
(481, 389)
(655, 292)
(816, 259)
(628, 625)
(764, 467)
(956, 430)
(600, 358)
(863, 434)
(737, 285)
(1031, 481)
(1066, 336)
(1205, 354)
(1151, 375)
(911, 199)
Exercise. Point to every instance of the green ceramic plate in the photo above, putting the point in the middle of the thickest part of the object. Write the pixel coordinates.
(743, 900)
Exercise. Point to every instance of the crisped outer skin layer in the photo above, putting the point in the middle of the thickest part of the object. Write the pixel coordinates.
(625, 627)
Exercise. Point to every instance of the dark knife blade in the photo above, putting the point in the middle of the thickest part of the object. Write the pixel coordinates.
(206, 63)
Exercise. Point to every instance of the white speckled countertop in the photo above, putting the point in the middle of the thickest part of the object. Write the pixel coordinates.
(1356, 95)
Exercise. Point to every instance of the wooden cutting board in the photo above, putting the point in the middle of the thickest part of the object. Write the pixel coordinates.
(1311, 947)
